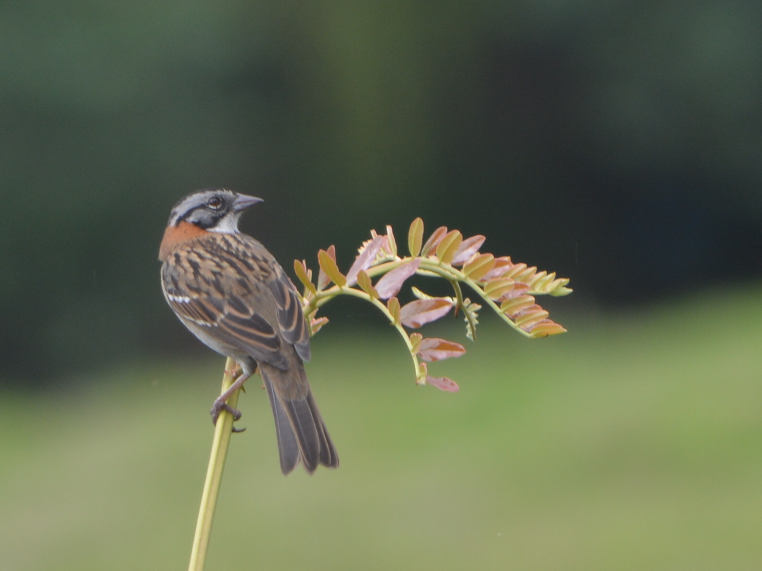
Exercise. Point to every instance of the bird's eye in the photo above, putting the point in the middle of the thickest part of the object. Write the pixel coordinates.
(214, 202)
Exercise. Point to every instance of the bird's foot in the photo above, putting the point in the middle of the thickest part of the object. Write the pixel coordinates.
(220, 405)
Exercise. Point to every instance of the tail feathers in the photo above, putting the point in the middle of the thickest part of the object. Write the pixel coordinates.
(302, 435)
(287, 445)
(328, 455)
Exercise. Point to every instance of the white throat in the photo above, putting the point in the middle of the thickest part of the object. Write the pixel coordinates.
(228, 225)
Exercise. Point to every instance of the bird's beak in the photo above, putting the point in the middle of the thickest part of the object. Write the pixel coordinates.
(244, 201)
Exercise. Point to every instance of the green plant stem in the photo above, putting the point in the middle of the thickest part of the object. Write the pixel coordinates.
(325, 296)
(398, 326)
(450, 273)
(427, 267)
(222, 432)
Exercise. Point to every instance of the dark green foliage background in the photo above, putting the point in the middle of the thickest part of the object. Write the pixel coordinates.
(616, 143)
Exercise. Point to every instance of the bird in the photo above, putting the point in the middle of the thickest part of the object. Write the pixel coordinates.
(232, 294)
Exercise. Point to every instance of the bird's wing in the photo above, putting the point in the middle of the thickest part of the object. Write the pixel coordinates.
(260, 267)
(289, 313)
(230, 300)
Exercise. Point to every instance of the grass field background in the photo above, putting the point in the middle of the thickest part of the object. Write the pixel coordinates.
(633, 442)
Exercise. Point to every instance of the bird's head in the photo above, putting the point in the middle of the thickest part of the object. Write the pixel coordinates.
(213, 210)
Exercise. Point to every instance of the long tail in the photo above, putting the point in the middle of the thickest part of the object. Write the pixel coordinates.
(301, 432)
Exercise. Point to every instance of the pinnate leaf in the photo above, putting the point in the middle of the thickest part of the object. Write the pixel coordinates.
(316, 324)
(467, 248)
(498, 287)
(433, 241)
(558, 287)
(502, 265)
(545, 328)
(513, 270)
(415, 342)
(329, 269)
(448, 245)
(519, 288)
(530, 316)
(422, 311)
(323, 279)
(364, 281)
(535, 277)
(497, 280)
(304, 275)
(536, 281)
(471, 316)
(479, 266)
(512, 306)
(365, 258)
(521, 273)
(391, 283)
(442, 383)
(527, 276)
(393, 305)
(543, 283)
(419, 294)
(391, 243)
(435, 349)
(415, 237)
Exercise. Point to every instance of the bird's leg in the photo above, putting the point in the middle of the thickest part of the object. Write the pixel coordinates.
(235, 371)
(221, 404)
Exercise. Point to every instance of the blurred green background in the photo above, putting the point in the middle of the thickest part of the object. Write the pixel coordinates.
(616, 143)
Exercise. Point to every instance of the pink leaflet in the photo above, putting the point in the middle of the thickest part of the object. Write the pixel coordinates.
(431, 244)
(365, 259)
(443, 383)
(467, 248)
(519, 288)
(435, 349)
(422, 311)
(502, 265)
(392, 282)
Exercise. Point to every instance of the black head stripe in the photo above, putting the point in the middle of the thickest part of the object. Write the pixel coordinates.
(194, 208)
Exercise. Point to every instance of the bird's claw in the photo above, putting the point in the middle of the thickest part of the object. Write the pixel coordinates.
(217, 409)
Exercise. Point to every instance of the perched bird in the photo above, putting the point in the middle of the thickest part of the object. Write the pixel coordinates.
(229, 291)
